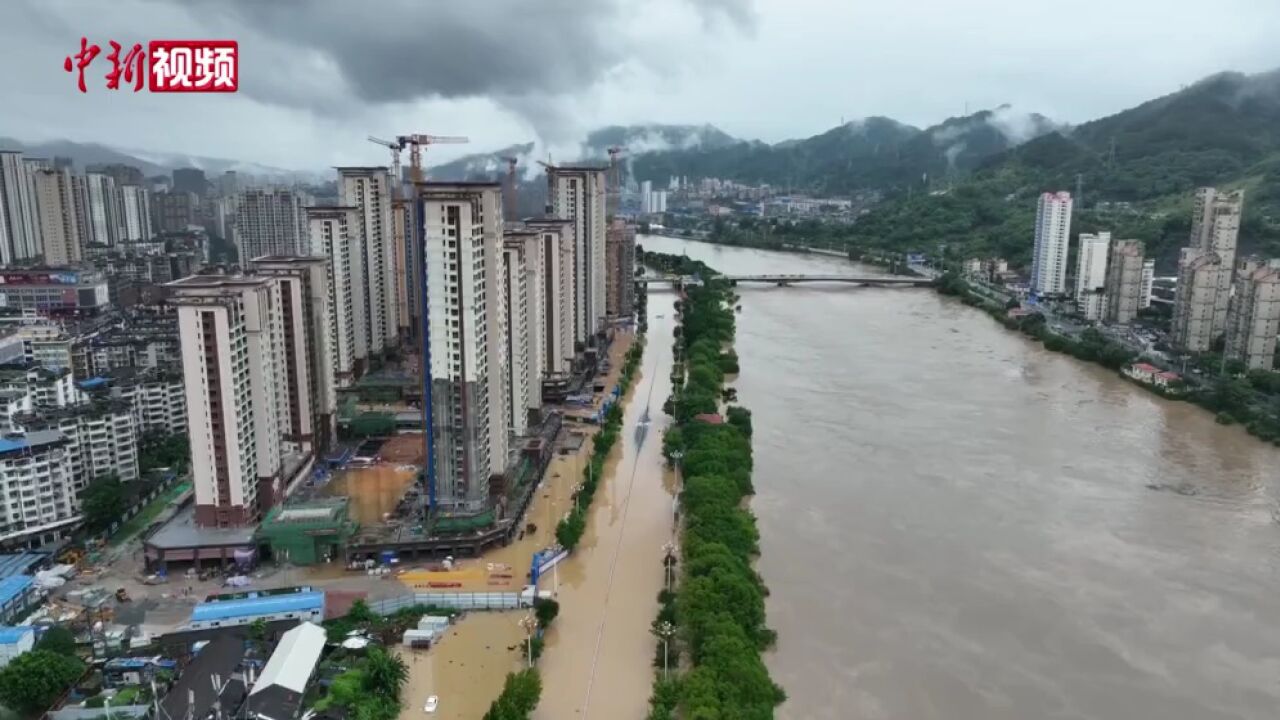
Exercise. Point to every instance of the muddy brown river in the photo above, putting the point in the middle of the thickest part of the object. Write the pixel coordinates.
(958, 524)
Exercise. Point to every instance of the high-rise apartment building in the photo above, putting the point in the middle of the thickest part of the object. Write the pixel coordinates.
(103, 207)
(368, 189)
(522, 300)
(176, 211)
(1091, 274)
(1053, 233)
(270, 222)
(1253, 318)
(1215, 229)
(330, 230)
(135, 218)
(19, 218)
(620, 283)
(55, 197)
(555, 332)
(577, 193)
(37, 480)
(304, 294)
(190, 180)
(1148, 283)
(232, 336)
(1199, 272)
(465, 402)
(119, 172)
(1215, 226)
(1124, 281)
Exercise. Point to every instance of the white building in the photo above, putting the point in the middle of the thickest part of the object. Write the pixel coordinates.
(232, 331)
(19, 217)
(102, 209)
(46, 346)
(467, 413)
(102, 438)
(554, 340)
(1215, 227)
(646, 197)
(38, 488)
(1253, 319)
(136, 213)
(518, 248)
(368, 190)
(577, 193)
(270, 222)
(55, 198)
(1199, 272)
(331, 228)
(1053, 233)
(304, 289)
(1124, 281)
(1091, 274)
(1148, 283)
(15, 641)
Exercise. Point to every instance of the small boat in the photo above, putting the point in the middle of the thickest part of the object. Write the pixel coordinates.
(432, 703)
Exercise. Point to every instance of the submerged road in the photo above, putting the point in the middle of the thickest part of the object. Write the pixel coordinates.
(599, 653)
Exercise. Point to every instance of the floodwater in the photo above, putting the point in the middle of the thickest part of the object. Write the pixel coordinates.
(958, 524)
(374, 490)
(466, 676)
(597, 661)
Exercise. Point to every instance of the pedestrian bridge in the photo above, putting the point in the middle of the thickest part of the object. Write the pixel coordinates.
(784, 280)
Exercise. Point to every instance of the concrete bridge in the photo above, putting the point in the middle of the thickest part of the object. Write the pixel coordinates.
(784, 280)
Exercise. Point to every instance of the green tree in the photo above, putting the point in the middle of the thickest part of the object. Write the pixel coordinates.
(546, 611)
(59, 640)
(360, 612)
(520, 694)
(384, 673)
(102, 502)
(32, 681)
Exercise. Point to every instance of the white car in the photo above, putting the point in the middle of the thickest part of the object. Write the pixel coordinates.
(432, 703)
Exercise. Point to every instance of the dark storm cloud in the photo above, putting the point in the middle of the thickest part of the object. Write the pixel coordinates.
(404, 50)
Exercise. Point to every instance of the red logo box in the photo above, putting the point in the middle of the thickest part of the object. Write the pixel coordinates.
(193, 66)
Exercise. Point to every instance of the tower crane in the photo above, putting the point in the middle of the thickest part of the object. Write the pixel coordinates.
(396, 147)
(416, 142)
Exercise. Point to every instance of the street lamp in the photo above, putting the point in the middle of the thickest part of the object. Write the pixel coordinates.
(530, 624)
(669, 551)
(665, 631)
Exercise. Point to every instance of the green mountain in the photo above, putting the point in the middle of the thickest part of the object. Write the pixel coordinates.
(875, 153)
(1137, 168)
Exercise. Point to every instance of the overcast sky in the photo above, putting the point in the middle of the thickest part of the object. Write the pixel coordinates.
(317, 77)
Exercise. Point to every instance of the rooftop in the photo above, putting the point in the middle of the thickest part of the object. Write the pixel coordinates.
(250, 607)
(294, 659)
(220, 657)
(182, 532)
(16, 563)
(19, 442)
(289, 260)
(13, 586)
(11, 635)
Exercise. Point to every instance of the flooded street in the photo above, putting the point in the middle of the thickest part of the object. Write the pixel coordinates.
(598, 656)
(958, 524)
(465, 675)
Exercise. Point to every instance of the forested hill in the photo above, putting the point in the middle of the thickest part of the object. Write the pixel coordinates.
(875, 153)
(1223, 131)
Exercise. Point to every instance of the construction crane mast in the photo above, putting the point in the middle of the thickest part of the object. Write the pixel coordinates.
(509, 199)
(613, 197)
